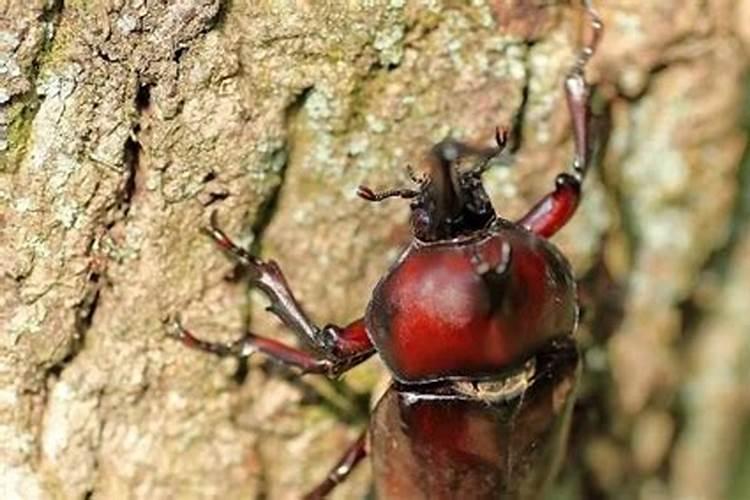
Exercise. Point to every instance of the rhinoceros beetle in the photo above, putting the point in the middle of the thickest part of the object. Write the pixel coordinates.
(474, 321)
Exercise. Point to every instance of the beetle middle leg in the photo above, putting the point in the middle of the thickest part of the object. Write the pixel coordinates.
(340, 348)
(554, 210)
(346, 464)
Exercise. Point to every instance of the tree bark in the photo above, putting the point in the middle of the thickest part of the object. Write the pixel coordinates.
(124, 124)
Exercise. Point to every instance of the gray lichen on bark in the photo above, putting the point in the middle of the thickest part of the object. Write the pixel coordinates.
(124, 124)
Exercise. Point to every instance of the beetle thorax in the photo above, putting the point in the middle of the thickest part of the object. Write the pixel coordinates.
(471, 308)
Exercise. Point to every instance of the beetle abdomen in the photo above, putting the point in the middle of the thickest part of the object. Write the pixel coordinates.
(471, 309)
(438, 445)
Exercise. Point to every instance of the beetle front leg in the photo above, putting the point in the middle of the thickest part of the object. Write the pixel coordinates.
(346, 464)
(332, 340)
(269, 278)
(343, 357)
(578, 94)
(556, 208)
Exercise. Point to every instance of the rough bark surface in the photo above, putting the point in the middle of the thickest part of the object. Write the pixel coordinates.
(124, 124)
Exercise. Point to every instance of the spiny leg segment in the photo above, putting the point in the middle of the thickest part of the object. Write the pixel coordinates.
(554, 210)
(339, 348)
(346, 464)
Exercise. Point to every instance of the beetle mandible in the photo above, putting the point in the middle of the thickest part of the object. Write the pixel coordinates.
(474, 321)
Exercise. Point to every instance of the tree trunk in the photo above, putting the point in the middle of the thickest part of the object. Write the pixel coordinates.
(124, 124)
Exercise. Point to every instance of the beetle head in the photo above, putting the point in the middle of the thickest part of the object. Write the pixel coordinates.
(450, 200)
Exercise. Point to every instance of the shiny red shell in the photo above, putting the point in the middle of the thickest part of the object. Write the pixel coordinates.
(473, 307)
(442, 446)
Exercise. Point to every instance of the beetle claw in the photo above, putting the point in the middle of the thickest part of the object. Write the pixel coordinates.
(173, 326)
(242, 256)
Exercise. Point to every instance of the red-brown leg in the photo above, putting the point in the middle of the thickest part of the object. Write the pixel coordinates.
(346, 350)
(557, 207)
(269, 278)
(353, 456)
(339, 348)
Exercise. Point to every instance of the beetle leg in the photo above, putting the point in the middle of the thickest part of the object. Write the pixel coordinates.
(267, 275)
(269, 278)
(578, 92)
(282, 353)
(351, 458)
(557, 207)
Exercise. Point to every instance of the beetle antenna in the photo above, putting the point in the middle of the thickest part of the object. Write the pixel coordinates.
(368, 194)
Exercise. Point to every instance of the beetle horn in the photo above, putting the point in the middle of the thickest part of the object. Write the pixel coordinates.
(445, 184)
